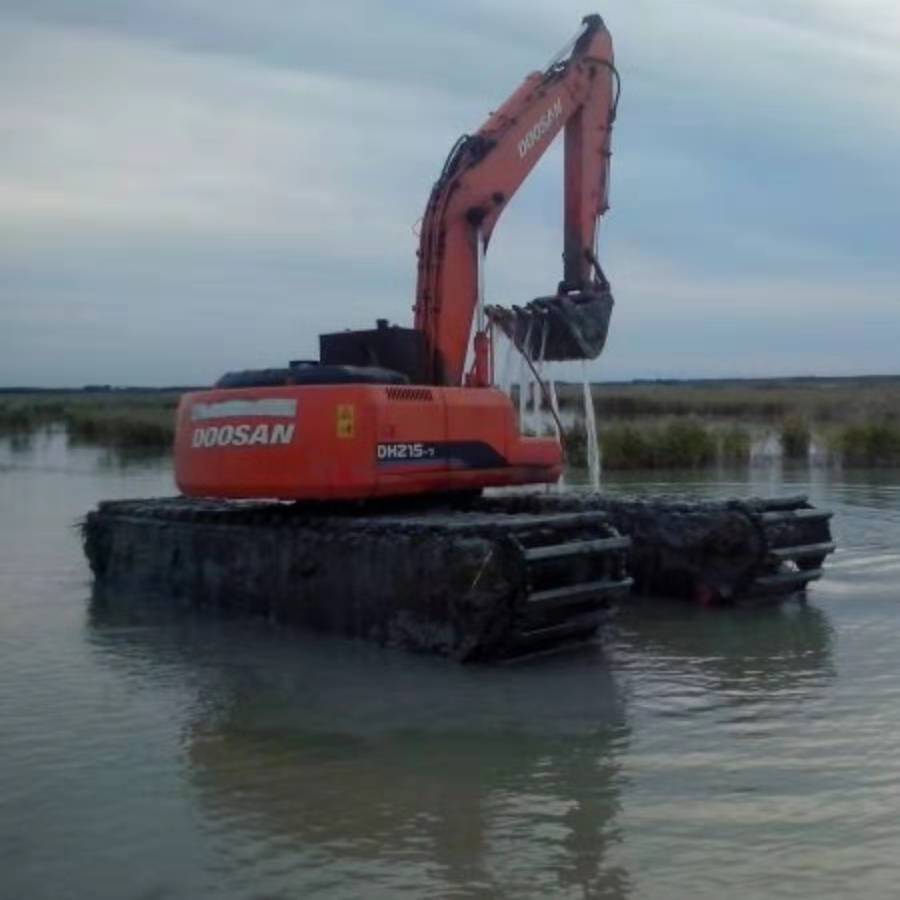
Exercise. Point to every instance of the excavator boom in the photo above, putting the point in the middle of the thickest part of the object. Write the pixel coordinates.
(578, 93)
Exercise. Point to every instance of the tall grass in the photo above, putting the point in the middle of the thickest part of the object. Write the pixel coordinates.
(677, 444)
(672, 444)
(795, 437)
(870, 444)
(814, 400)
(683, 425)
(689, 425)
(735, 444)
(22, 416)
(150, 429)
(140, 420)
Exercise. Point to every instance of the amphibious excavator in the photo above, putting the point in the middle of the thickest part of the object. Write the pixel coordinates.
(345, 492)
(392, 411)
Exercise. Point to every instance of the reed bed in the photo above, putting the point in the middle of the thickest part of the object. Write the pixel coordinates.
(126, 419)
(868, 444)
(150, 428)
(814, 400)
(856, 422)
(671, 444)
(641, 425)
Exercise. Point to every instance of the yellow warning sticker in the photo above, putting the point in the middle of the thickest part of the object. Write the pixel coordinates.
(346, 420)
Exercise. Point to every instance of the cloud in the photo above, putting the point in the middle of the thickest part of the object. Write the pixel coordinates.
(138, 135)
(189, 186)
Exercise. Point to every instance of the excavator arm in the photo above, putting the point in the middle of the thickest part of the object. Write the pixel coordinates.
(578, 92)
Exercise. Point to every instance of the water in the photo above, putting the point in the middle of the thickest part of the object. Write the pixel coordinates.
(532, 387)
(524, 384)
(592, 440)
(691, 753)
(554, 408)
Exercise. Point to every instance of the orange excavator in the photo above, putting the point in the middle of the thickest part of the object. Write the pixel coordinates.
(393, 411)
(392, 417)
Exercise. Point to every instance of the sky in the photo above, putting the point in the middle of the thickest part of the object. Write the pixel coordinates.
(192, 186)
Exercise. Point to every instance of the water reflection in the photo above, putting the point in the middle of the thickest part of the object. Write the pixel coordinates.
(315, 760)
(875, 491)
(326, 756)
(701, 753)
(18, 442)
(770, 650)
(118, 457)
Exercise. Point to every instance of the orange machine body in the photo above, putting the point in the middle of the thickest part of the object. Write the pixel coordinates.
(369, 420)
(354, 441)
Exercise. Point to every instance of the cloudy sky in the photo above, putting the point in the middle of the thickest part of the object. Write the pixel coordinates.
(188, 186)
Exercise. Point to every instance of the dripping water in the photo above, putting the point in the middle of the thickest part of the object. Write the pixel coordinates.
(536, 396)
(592, 445)
(524, 381)
(554, 407)
(505, 381)
(539, 419)
(545, 396)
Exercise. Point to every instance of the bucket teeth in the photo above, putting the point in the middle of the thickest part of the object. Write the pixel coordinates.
(567, 327)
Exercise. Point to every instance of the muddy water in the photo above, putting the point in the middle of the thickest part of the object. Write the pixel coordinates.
(689, 754)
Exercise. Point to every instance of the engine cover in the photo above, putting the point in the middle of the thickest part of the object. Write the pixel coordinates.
(353, 441)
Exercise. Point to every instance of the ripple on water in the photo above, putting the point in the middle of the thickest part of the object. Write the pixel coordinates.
(693, 753)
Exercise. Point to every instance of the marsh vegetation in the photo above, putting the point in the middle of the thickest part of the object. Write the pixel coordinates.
(641, 425)
(141, 420)
(646, 425)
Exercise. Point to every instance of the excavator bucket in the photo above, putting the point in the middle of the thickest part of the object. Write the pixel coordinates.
(566, 327)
